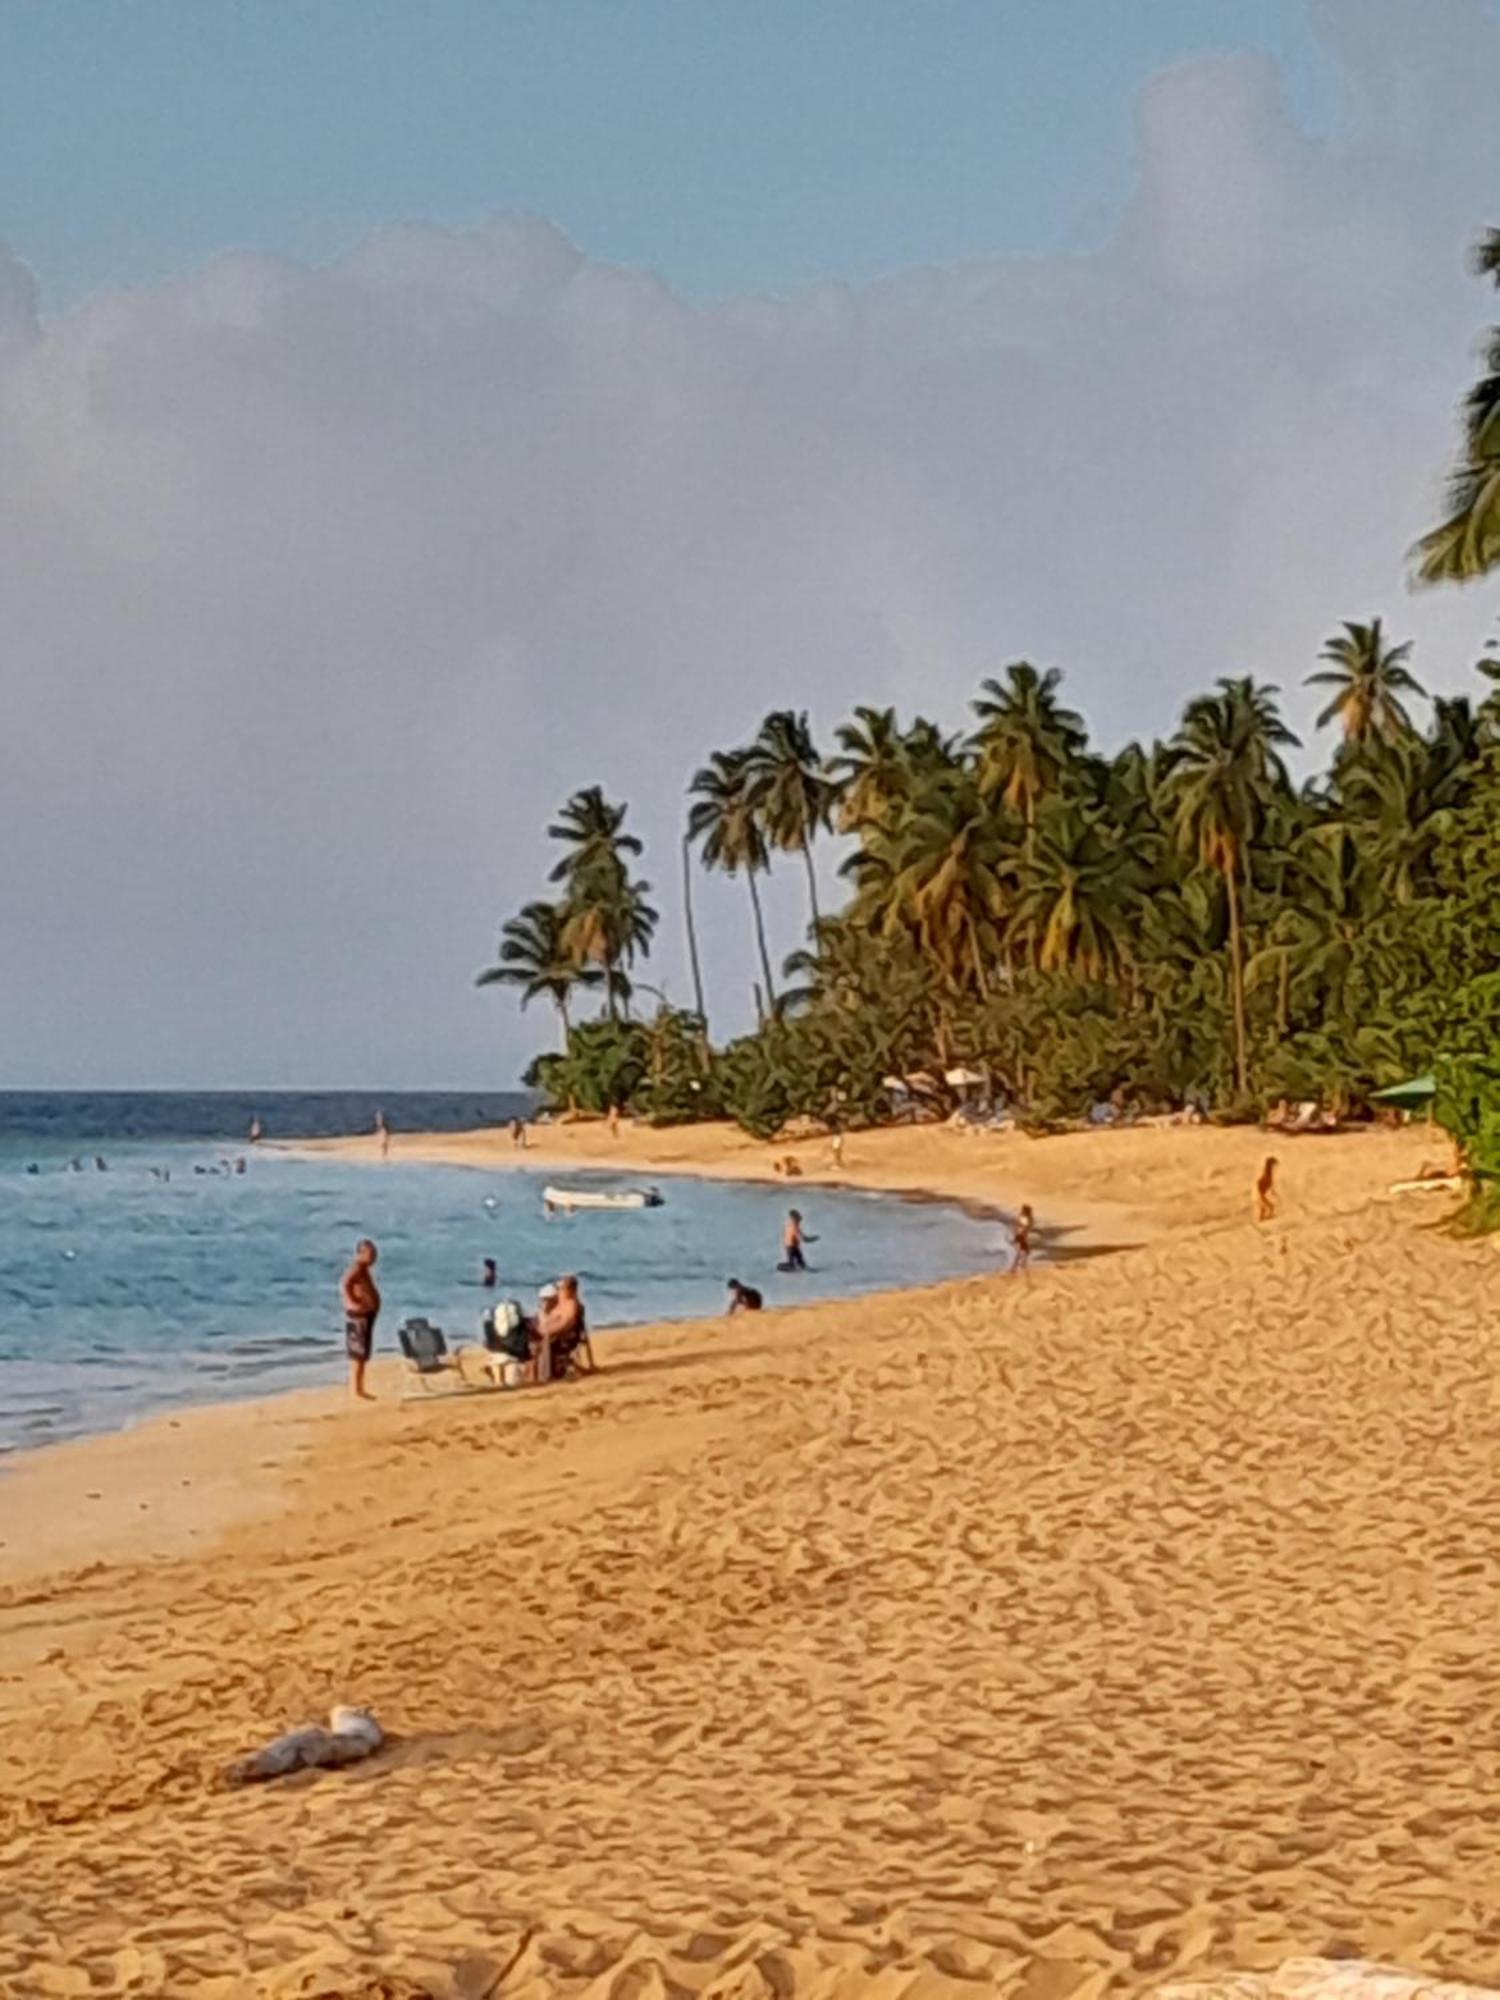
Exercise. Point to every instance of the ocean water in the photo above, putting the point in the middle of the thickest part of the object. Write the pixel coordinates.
(168, 1276)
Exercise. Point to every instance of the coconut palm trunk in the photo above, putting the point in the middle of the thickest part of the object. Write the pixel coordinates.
(812, 882)
(692, 930)
(760, 939)
(1237, 982)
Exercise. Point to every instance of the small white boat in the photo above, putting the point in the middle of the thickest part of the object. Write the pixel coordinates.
(568, 1199)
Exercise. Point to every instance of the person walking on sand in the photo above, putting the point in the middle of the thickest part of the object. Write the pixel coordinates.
(614, 1121)
(383, 1134)
(1265, 1191)
(361, 1301)
(1021, 1233)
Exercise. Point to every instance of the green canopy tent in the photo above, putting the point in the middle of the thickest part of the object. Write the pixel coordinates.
(1416, 1094)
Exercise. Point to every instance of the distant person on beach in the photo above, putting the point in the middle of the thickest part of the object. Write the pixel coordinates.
(743, 1298)
(614, 1121)
(490, 1276)
(1265, 1191)
(361, 1301)
(792, 1241)
(518, 1132)
(383, 1134)
(255, 1130)
(837, 1149)
(1021, 1234)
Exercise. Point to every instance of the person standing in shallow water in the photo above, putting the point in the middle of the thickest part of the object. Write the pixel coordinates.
(361, 1301)
(792, 1240)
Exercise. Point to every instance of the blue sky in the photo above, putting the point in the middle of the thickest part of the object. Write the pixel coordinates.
(730, 145)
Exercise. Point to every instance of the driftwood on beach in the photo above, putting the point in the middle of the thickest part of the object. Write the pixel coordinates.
(352, 1734)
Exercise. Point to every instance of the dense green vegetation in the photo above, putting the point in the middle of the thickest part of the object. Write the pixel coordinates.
(1166, 923)
(1174, 922)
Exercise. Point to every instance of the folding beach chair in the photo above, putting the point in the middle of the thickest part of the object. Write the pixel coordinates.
(427, 1357)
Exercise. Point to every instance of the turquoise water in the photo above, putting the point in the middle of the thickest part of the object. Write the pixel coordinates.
(170, 1278)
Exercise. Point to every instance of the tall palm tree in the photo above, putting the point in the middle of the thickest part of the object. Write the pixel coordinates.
(692, 933)
(723, 821)
(608, 921)
(593, 831)
(1467, 544)
(1224, 764)
(871, 770)
(1370, 678)
(1026, 740)
(937, 876)
(790, 789)
(534, 955)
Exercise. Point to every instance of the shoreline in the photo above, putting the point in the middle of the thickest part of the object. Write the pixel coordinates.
(443, 1148)
(874, 1163)
(166, 1484)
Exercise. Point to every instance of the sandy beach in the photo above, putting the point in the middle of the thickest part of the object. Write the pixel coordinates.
(1052, 1636)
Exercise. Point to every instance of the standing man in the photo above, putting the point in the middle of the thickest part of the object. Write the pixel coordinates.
(383, 1134)
(361, 1302)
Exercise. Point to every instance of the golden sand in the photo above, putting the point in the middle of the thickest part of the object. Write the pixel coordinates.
(1133, 1621)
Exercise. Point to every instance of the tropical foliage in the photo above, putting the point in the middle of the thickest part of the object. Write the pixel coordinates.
(1467, 543)
(1171, 923)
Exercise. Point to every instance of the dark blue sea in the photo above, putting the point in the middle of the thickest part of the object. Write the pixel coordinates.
(150, 1256)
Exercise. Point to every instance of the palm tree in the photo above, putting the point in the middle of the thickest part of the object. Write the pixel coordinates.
(1320, 913)
(593, 830)
(1224, 764)
(1396, 805)
(534, 955)
(1468, 542)
(1076, 898)
(937, 876)
(871, 771)
(723, 819)
(1026, 740)
(608, 921)
(789, 789)
(1370, 678)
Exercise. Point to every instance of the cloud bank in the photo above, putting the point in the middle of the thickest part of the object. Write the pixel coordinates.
(320, 587)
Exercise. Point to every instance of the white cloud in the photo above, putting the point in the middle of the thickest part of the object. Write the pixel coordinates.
(319, 587)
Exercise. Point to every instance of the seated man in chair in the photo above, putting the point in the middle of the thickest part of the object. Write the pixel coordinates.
(562, 1334)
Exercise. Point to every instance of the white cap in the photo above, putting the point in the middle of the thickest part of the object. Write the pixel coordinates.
(547, 1292)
